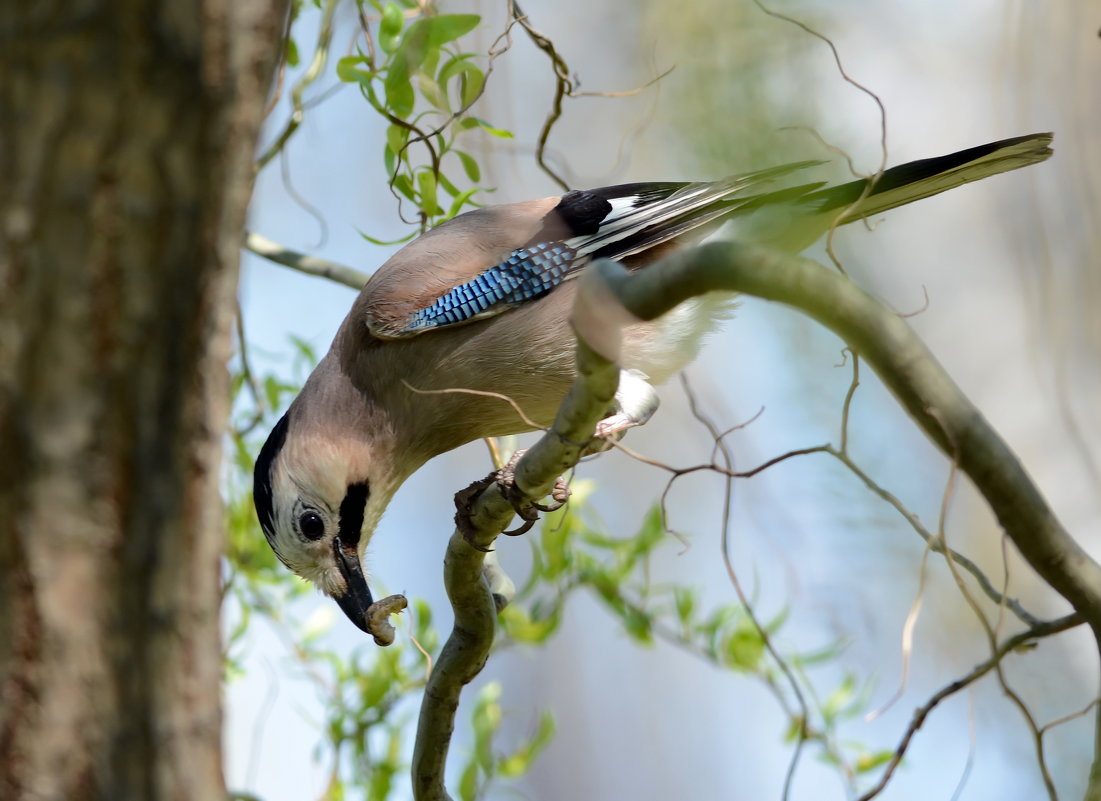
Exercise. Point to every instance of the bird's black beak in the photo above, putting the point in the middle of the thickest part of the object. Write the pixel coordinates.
(357, 595)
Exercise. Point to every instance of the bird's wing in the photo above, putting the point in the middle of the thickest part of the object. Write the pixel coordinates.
(490, 260)
(487, 261)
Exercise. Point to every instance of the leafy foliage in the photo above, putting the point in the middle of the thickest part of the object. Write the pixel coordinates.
(423, 85)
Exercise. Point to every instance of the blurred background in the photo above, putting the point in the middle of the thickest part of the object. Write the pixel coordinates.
(1005, 276)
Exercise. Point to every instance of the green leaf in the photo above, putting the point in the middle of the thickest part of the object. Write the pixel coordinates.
(426, 183)
(448, 187)
(430, 62)
(473, 80)
(404, 185)
(685, 601)
(396, 137)
(388, 242)
(796, 730)
(431, 92)
(389, 160)
(825, 654)
(744, 648)
(478, 122)
(390, 27)
(866, 762)
(304, 350)
(383, 770)
(774, 625)
(519, 625)
(468, 783)
(292, 53)
(454, 66)
(420, 41)
(486, 722)
(639, 625)
(470, 166)
(347, 69)
(460, 200)
(651, 533)
(839, 698)
(399, 91)
(518, 763)
(444, 28)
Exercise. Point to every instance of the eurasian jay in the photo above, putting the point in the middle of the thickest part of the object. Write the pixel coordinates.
(482, 303)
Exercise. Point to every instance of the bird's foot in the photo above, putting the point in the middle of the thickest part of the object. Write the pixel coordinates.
(528, 510)
(505, 478)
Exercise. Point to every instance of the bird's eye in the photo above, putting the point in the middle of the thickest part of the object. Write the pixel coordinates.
(311, 525)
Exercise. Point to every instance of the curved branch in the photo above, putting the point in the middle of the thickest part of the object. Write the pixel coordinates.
(310, 265)
(915, 378)
(486, 511)
(905, 366)
(609, 298)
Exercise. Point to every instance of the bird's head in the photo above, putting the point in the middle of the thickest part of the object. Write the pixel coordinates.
(319, 499)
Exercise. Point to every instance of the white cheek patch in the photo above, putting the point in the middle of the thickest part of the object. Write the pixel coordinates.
(316, 468)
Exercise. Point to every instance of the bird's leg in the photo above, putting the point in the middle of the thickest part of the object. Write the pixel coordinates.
(635, 403)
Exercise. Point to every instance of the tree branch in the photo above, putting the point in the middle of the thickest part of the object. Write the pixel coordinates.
(489, 511)
(912, 374)
(609, 298)
(907, 368)
(311, 265)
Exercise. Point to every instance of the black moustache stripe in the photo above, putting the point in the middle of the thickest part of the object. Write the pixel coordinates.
(261, 482)
(351, 513)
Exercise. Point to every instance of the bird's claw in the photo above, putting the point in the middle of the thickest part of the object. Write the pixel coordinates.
(559, 496)
(505, 478)
(528, 510)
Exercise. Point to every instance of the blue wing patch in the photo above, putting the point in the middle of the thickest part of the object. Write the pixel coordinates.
(527, 274)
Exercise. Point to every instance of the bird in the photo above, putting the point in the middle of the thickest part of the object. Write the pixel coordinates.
(464, 334)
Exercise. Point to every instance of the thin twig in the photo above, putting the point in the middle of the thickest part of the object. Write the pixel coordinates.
(564, 87)
(872, 180)
(992, 637)
(936, 544)
(743, 598)
(1045, 629)
(312, 73)
(932, 541)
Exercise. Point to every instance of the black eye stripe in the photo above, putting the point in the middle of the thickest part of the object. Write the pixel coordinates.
(261, 486)
(351, 513)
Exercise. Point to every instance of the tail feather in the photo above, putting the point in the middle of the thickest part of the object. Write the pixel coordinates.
(647, 216)
(927, 177)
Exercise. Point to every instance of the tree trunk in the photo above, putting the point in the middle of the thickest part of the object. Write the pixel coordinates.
(127, 130)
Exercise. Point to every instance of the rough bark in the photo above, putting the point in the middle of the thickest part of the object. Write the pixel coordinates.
(127, 130)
